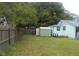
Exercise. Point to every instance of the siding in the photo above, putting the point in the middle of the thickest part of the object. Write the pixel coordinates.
(70, 31)
(45, 32)
(37, 31)
(55, 32)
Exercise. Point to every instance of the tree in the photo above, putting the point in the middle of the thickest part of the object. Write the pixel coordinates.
(34, 13)
(48, 12)
(18, 13)
(25, 14)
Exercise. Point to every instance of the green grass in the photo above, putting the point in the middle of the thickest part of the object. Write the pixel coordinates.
(31, 45)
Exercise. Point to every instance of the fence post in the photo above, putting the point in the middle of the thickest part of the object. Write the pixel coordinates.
(1, 35)
(9, 36)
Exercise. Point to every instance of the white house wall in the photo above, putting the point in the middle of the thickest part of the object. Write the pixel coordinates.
(70, 31)
(55, 32)
(65, 32)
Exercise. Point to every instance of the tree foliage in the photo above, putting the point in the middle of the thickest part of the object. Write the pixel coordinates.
(19, 14)
(50, 13)
(34, 13)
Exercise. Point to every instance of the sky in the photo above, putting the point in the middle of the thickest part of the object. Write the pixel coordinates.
(72, 6)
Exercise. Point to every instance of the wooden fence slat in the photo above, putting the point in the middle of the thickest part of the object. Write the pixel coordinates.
(7, 37)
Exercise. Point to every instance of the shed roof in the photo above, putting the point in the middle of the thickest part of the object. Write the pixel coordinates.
(45, 28)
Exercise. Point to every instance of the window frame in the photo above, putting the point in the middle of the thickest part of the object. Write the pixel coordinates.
(64, 28)
(58, 28)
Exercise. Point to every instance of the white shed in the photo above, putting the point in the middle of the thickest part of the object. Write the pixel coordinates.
(43, 31)
(37, 31)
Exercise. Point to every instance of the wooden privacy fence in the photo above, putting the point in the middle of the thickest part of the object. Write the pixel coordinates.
(7, 37)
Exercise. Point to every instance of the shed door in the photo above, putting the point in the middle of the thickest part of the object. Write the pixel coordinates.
(77, 32)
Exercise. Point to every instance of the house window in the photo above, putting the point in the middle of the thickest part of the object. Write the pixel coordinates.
(64, 28)
(58, 28)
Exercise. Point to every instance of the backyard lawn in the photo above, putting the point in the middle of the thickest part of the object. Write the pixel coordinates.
(31, 45)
